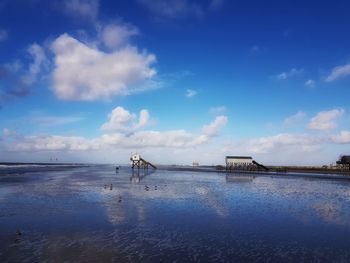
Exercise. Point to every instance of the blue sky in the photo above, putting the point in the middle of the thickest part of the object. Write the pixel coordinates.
(177, 81)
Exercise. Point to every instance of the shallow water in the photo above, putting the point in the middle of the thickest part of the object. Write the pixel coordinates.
(92, 214)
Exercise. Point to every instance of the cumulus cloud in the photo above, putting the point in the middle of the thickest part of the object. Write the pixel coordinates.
(290, 148)
(143, 139)
(287, 147)
(342, 138)
(283, 147)
(85, 9)
(191, 93)
(213, 128)
(3, 35)
(310, 83)
(279, 149)
(84, 70)
(325, 120)
(86, 73)
(294, 119)
(143, 119)
(114, 36)
(271, 143)
(121, 120)
(338, 72)
(291, 73)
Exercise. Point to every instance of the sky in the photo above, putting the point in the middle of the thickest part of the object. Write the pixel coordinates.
(177, 81)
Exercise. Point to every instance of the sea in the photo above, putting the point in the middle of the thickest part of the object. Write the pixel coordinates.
(97, 213)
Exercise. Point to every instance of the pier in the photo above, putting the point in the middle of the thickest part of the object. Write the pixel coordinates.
(138, 162)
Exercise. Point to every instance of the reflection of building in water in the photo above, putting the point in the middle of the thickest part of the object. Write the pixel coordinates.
(138, 175)
(239, 178)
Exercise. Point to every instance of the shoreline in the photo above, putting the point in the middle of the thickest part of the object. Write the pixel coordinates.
(291, 173)
(274, 172)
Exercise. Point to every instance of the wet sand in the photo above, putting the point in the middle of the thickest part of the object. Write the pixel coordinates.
(273, 173)
(93, 214)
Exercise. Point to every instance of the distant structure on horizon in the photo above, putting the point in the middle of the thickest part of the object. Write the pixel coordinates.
(138, 162)
(194, 163)
(344, 161)
(238, 160)
(242, 163)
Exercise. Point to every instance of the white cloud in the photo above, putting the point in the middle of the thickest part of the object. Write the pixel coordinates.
(53, 143)
(114, 36)
(338, 72)
(190, 93)
(292, 73)
(86, 9)
(85, 73)
(342, 138)
(39, 60)
(290, 149)
(121, 120)
(213, 128)
(143, 119)
(294, 119)
(144, 139)
(310, 83)
(325, 120)
(280, 149)
(271, 143)
(217, 109)
(3, 35)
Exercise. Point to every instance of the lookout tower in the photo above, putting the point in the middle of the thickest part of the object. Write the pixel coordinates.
(138, 162)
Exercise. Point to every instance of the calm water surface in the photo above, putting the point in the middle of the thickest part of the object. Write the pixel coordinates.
(92, 214)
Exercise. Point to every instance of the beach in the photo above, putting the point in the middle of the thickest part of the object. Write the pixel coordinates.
(95, 214)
